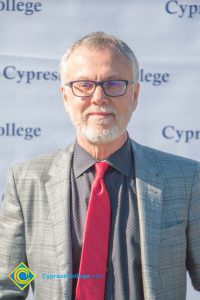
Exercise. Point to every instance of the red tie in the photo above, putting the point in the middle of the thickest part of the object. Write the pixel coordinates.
(95, 241)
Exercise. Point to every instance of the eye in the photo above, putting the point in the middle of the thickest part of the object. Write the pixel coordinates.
(84, 85)
(114, 84)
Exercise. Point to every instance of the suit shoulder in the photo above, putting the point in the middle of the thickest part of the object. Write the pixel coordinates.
(168, 161)
(168, 156)
(38, 167)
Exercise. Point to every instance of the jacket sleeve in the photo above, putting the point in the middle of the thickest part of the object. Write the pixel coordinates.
(12, 241)
(193, 232)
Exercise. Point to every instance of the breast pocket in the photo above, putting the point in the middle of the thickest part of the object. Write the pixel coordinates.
(173, 233)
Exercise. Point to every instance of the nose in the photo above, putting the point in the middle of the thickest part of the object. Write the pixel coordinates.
(99, 97)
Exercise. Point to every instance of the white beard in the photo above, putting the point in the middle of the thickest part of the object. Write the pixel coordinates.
(101, 136)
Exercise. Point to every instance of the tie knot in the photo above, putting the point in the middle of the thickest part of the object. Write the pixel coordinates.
(100, 168)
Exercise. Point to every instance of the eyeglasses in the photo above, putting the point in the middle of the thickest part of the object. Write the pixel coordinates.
(111, 88)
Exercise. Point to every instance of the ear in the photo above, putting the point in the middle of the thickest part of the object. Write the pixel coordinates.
(64, 97)
(136, 94)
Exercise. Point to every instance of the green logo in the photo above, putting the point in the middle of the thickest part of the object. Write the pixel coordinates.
(22, 276)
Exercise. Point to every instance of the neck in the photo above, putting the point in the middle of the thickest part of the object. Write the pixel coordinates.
(102, 151)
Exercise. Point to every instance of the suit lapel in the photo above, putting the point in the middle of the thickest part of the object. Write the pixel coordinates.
(149, 185)
(58, 193)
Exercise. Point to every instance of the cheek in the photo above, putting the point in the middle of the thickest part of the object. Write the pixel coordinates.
(75, 109)
(130, 105)
(66, 105)
(123, 107)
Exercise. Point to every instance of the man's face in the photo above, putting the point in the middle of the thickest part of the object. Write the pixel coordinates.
(99, 118)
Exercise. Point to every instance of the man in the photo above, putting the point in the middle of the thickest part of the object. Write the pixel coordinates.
(134, 230)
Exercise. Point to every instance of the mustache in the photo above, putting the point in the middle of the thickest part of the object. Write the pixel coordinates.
(102, 108)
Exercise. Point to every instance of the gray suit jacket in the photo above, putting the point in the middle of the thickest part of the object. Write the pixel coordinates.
(35, 224)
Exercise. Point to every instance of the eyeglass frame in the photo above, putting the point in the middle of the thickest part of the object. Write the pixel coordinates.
(99, 83)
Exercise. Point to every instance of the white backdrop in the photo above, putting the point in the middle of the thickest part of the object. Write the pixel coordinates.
(165, 37)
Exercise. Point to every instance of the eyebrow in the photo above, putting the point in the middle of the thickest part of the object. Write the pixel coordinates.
(111, 77)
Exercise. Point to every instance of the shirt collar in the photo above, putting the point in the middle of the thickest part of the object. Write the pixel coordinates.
(82, 160)
(121, 160)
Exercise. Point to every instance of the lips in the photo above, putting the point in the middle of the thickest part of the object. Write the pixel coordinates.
(100, 114)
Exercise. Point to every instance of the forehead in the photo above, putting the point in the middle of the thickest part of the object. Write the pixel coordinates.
(106, 61)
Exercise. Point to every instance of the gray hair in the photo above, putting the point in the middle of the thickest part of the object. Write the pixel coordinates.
(99, 40)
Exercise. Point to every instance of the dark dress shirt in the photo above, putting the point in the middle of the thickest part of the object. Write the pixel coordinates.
(124, 275)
